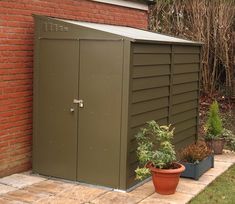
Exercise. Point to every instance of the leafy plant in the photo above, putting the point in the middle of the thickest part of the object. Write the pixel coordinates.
(214, 127)
(154, 148)
(195, 153)
(230, 138)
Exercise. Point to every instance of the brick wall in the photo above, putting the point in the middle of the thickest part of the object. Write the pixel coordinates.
(16, 65)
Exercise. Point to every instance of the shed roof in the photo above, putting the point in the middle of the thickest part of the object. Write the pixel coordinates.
(131, 33)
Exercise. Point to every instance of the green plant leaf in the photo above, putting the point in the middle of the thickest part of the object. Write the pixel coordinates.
(155, 146)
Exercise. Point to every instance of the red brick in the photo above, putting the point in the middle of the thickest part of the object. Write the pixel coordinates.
(16, 41)
(15, 118)
(16, 47)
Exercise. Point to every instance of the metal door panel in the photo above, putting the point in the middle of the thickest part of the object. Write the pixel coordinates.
(55, 147)
(99, 119)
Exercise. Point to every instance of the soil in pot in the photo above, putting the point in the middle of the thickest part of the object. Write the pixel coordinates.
(166, 180)
(217, 145)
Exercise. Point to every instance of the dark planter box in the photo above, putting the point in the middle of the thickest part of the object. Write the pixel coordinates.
(196, 170)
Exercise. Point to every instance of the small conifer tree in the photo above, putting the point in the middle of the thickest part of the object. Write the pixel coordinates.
(214, 127)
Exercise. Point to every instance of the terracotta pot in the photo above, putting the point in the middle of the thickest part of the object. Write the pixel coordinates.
(217, 145)
(166, 180)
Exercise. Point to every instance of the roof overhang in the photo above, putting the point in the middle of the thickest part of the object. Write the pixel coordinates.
(133, 34)
(128, 33)
(128, 4)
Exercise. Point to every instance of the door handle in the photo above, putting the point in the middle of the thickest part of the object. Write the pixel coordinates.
(79, 102)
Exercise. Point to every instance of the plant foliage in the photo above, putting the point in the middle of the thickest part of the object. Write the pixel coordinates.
(230, 138)
(155, 148)
(195, 153)
(214, 127)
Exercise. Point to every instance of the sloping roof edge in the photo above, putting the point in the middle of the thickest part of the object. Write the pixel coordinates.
(128, 4)
(133, 34)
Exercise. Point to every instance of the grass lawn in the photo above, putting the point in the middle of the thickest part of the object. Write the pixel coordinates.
(222, 190)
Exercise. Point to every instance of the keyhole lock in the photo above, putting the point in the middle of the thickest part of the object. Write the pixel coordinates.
(79, 102)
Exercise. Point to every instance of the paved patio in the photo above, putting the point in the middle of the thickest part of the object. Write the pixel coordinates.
(28, 188)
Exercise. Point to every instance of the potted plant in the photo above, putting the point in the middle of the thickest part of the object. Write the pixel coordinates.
(157, 156)
(197, 159)
(214, 130)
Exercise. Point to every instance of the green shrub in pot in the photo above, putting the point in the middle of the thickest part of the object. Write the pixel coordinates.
(214, 129)
(156, 155)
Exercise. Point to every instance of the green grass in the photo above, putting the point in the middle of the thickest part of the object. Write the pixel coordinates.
(221, 191)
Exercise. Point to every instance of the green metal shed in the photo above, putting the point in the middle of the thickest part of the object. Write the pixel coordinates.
(95, 85)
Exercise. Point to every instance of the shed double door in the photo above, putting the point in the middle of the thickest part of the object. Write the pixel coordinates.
(80, 141)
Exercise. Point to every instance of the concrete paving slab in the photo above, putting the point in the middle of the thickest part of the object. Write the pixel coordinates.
(151, 200)
(116, 198)
(24, 196)
(4, 201)
(25, 188)
(82, 193)
(220, 167)
(192, 188)
(35, 190)
(51, 186)
(57, 200)
(5, 189)
(229, 157)
(143, 191)
(177, 198)
(20, 180)
(204, 180)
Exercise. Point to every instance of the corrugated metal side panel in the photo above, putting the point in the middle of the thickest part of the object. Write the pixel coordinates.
(163, 86)
(149, 94)
(184, 110)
